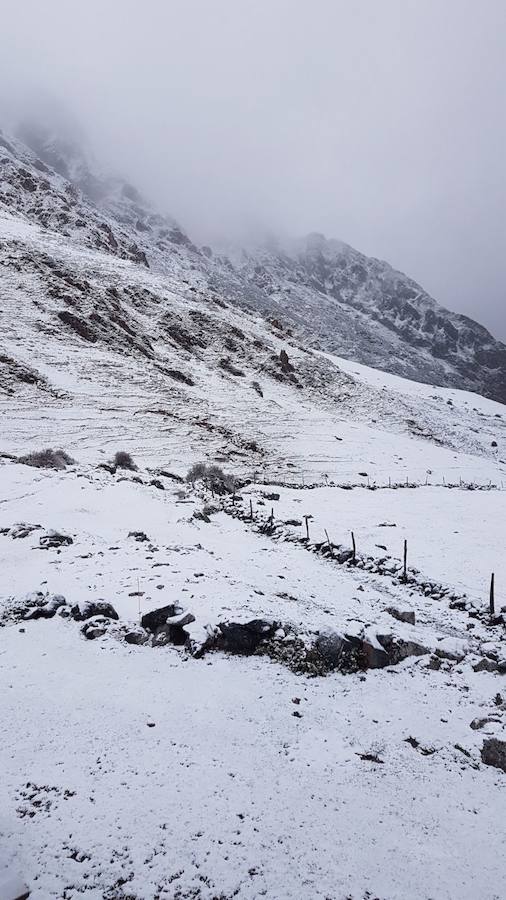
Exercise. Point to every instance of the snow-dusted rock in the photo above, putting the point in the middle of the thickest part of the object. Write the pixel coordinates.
(403, 615)
(95, 627)
(158, 617)
(54, 539)
(22, 530)
(244, 638)
(180, 619)
(90, 608)
(493, 753)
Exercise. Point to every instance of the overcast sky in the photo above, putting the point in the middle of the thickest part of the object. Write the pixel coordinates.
(380, 122)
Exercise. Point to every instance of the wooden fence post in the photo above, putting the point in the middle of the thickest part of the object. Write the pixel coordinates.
(492, 597)
(307, 518)
(354, 557)
(405, 564)
(250, 509)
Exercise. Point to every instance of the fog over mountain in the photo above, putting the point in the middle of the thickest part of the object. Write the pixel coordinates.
(378, 124)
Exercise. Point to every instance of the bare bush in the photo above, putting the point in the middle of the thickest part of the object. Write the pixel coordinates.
(213, 476)
(123, 460)
(47, 459)
(197, 472)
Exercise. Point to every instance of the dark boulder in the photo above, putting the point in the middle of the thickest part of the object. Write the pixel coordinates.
(331, 648)
(344, 556)
(369, 656)
(201, 516)
(95, 628)
(398, 649)
(490, 665)
(157, 618)
(82, 611)
(39, 612)
(493, 753)
(138, 536)
(244, 638)
(53, 539)
(136, 636)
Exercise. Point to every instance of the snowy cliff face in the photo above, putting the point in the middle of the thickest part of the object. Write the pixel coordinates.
(364, 309)
(336, 298)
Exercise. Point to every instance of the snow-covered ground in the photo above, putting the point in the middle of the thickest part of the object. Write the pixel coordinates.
(228, 794)
(455, 535)
(142, 772)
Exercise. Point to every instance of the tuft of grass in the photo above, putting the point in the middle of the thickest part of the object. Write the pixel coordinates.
(123, 460)
(214, 477)
(47, 459)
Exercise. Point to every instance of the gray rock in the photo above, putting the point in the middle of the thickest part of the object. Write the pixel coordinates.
(348, 653)
(181, 619)
(344, 556)
(38, 612)
(158, 617)
(244, 638)
(95, 628)
(53, 539)
(398, 649)
(453, 656)
(201, 516)
(402, 615)
(486, 665)
(22, 530)
(138, 536)
(476, 724)
(137, 636)
(331, 647)
(90, 608)
(435, 663)
(56, 602)
(493, 753)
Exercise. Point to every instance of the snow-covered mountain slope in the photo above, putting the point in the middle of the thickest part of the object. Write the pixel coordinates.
(361, 308)
(335, 297)
(87, 336)
(304, 720)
